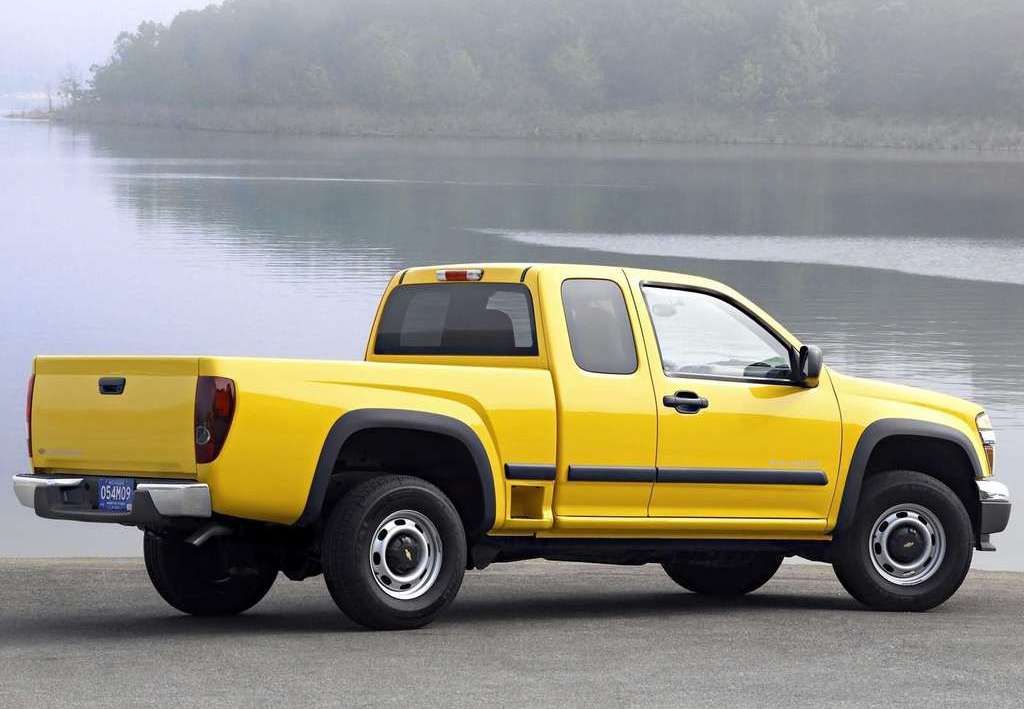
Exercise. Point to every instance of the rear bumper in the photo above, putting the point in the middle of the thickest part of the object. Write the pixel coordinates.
(74, 498)
(994, 497)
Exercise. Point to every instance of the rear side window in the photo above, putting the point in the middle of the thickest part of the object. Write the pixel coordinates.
(493, 319)
(599, 331)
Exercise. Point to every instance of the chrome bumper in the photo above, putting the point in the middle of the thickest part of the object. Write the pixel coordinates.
(69, 498)
(995, 504)
(990, 490)
(179, 499)
(25, 486)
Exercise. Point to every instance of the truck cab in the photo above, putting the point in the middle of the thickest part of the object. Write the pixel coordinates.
(512, 411)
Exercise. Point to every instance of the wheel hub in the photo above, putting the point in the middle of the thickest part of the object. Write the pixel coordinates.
(907, 544)
(405, 554)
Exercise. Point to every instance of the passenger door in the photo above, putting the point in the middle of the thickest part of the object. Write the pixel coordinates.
(736, 437)
(606, 414)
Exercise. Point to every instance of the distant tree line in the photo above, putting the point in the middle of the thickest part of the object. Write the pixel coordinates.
(897, 57)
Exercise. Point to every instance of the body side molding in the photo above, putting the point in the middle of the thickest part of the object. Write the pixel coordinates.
(721, 476)
(604, 474)
(515, 471)
(363, 419)
(874, 434)
(737, 476)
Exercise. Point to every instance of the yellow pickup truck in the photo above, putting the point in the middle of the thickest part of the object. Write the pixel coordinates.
(513, 411)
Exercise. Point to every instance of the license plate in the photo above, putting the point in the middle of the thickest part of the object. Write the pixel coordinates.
(115, 494)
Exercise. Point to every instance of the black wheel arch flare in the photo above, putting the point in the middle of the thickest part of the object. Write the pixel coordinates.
(362, 419)
(871, 437)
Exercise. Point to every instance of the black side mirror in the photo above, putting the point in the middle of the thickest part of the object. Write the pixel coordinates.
(808, 366)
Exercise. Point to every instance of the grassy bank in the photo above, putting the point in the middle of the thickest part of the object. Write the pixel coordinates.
(668, 125)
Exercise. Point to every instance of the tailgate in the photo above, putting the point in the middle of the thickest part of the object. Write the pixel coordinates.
(141, 421)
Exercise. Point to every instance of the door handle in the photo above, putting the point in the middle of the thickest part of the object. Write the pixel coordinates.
(685, 402)
(111, 385)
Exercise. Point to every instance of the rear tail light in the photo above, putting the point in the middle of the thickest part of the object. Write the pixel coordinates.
(28, 412)
(215, 407)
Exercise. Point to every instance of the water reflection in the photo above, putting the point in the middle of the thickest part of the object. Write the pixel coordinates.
(164, 241)
(950, 256)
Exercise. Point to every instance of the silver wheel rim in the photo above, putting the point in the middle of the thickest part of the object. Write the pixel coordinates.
(405, 554)
(907, 544)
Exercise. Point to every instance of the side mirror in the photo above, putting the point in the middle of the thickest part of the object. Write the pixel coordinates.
(809, 366)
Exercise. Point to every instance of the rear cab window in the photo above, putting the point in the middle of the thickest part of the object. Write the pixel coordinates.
(600, 333)
(458, 319)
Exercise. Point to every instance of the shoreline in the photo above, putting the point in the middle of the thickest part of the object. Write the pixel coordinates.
(657, 125)
(32, 114)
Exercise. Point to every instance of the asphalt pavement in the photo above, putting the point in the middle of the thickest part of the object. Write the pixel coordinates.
(90, 632)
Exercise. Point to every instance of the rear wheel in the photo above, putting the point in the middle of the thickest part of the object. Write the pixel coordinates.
(910, 545)
(394, 553)
(724, 573)
(212, 579)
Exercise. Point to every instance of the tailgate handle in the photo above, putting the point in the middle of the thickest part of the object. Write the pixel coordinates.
(111, 385)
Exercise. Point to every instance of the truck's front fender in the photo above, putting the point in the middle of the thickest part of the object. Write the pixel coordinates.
(873, 436)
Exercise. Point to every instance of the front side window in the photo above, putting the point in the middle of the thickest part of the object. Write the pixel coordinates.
(701, 335)
(493, 319)
(600, 335)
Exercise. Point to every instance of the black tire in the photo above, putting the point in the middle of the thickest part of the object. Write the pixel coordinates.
(348, 562)
(201, 580)
(856, 552)
(724, 573)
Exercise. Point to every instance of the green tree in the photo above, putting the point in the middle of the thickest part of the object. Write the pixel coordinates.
(800, 58)
(898, 57)
(452, 79)
(383, 68)
(743, 85)
(70, 89)
(576, 75)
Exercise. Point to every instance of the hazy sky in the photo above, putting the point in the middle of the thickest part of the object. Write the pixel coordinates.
(38, 38)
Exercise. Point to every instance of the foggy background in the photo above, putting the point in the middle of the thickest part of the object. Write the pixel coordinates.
(40, 38)
(358, 138)
(913, 73)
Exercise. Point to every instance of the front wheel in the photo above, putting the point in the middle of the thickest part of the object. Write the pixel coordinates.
(209, 580)
(724, 573)
(394, 553)
(910, 544)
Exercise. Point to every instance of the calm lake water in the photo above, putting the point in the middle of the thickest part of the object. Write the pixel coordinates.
(902, 266)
